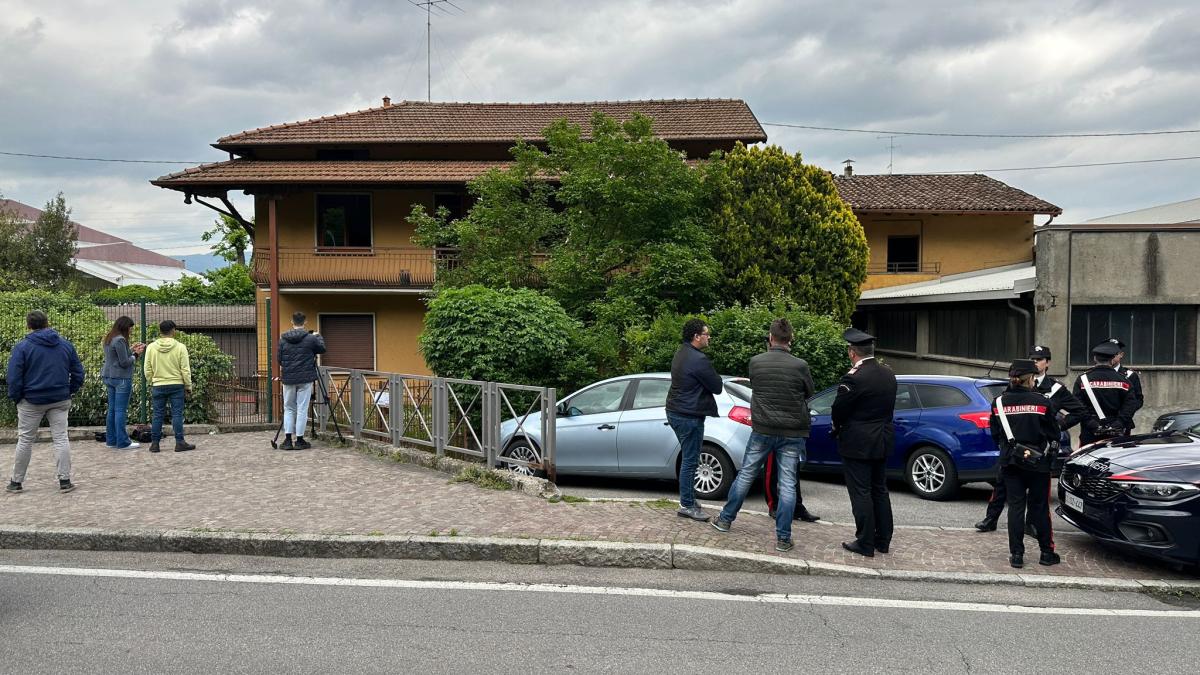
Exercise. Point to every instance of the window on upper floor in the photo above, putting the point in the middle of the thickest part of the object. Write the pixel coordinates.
(454, 202)
(343, 221)
(904, 254)
(1163, 335)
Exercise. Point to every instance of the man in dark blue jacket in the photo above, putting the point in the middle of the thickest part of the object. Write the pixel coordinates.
(689, 401)
(298, 349)
(44, 372)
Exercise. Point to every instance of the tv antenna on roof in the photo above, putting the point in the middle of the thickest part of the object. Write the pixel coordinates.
(429, 6)
(891, 151)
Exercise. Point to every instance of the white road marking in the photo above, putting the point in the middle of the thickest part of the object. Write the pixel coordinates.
(770, 598)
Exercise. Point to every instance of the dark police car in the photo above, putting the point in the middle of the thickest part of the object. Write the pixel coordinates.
(1139, 493)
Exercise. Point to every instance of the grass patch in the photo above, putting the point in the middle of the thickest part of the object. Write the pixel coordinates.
(663, 503)
(568, 499)
(482, 477)
(375, 533)
(453, 532)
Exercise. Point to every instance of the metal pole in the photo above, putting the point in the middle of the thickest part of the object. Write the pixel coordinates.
(428, 47)
(440, 424)
(356, 403)
(549, 438)
(142, 371)
(273, 307)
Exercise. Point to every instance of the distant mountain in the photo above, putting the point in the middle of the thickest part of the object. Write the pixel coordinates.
(201, 262)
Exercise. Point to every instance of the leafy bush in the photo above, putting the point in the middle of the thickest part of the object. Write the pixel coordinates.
(85, 325)
(125, 295)
(503, 335)
(740, 332)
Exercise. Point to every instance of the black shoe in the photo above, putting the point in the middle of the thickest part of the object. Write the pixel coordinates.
(65, 485)
(183, 446)
(302, 444)
(1049, 558)
(154, 446)
(882, 548)
(855, 547)
(806, 515)
(1017, 560)
(986, 525)
(13, 486)
(783, 545)
(287, 443)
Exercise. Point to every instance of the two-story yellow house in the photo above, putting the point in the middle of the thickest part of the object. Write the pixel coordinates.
(332, 194)
(951, 275)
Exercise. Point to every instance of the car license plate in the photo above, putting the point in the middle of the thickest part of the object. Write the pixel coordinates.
(1074, 501)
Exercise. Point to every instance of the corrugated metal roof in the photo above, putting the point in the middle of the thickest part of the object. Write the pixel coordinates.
(1187, 211)
(128, 274)
(996, 283)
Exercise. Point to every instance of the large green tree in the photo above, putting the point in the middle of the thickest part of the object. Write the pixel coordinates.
(610, 225)
(231, 239)
(781, 228)
(38, 254)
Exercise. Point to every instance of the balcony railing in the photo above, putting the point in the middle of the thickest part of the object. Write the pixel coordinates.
(905, 268)
(379, 267)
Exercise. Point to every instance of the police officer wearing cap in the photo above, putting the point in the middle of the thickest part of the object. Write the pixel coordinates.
(1135, 380)
(862, 423)
(1069, 413)
(1107, 397)
(1024, 426)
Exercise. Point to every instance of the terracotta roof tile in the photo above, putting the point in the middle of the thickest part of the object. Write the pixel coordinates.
(259, 172)
(968, 192)
(421, 122)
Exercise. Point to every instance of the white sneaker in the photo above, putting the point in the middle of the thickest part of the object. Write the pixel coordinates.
(131, 446)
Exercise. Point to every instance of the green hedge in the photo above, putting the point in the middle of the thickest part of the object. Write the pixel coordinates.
(740, 332)
(85, 325)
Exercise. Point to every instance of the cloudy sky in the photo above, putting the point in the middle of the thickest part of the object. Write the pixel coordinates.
(162, 79)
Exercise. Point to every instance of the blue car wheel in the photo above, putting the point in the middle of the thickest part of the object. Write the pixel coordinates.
(931, 474)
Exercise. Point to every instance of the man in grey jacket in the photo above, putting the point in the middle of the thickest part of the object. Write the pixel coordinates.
(782, 385)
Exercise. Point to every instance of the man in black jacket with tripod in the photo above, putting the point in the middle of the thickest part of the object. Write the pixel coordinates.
(298, 349)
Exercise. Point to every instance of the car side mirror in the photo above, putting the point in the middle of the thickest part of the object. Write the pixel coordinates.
(560, 410)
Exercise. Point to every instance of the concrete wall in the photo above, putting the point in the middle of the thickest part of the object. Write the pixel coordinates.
(1119, 265)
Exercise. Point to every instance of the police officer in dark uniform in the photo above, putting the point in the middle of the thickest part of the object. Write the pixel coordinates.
(1025, 428)
(1069, 413)
(862, 423)
(1106, 395)
(1135, 380)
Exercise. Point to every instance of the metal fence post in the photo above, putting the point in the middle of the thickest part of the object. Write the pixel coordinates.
(549, 422)
(322, 410)
(395, 407)
(441, 424)
(356, 403)
(488, 416)
(142, 371)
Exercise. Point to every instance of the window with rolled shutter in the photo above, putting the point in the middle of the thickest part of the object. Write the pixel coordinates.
(349, 341)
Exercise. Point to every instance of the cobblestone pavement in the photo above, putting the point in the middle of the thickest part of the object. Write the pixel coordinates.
(237, 482)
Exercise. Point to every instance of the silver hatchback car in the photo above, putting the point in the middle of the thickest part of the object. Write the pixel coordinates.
(618, 427)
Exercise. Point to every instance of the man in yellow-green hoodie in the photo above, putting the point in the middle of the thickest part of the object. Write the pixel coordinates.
(170, 376)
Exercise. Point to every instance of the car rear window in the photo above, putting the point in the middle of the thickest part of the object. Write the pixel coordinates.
(940, 396)
(991, 391)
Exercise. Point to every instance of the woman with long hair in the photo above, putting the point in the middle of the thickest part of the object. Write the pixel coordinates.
(119, 359)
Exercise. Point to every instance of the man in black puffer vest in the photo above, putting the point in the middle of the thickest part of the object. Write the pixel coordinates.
(298, 349)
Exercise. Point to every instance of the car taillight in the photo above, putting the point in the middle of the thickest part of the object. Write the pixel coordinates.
(979, 419)
(740, 414)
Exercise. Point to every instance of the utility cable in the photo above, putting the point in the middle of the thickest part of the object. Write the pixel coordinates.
(102, 159)
(1064, 166)
(973, 135)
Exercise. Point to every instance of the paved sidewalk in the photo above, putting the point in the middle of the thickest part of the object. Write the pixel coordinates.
(237, 482)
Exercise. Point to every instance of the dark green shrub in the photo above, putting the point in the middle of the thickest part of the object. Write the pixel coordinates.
(503, 335)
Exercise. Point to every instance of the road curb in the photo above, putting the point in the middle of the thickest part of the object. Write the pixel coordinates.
(524, 552)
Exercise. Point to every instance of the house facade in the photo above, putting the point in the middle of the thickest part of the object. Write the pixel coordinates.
(951, 275)
(332, 196)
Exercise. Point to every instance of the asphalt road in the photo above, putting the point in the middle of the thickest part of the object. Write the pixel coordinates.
(824, 495)
(233, 614)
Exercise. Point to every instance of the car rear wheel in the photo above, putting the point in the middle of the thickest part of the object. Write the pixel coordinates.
(931, 474)
(714, 474)
(523, 450)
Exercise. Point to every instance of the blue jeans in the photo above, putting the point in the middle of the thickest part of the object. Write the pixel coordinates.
(159, 397)
(295, 407)
(789, 451)
(690, 432)
(115, 433)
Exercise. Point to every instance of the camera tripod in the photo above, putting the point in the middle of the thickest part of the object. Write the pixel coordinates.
(312, 419)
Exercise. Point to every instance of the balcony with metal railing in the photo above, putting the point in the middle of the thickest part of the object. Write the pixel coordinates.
(378, 267)
(904, 267)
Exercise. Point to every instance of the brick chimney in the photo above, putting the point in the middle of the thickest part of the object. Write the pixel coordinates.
(387, 101)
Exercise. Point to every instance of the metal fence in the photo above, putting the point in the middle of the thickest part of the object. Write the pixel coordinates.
(230, 383)
(447, 415)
